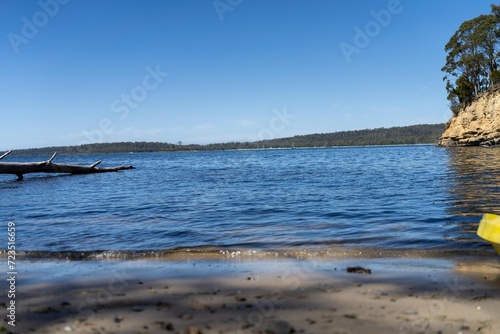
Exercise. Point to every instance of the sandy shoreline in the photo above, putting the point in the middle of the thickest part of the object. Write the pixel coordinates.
(258, 296)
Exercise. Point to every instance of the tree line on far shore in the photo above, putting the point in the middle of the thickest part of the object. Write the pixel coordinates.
(406, 135)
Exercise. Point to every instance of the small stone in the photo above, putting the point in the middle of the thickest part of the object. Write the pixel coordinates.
(167, 326)
(350, 316)
(240, 299)
(278, 327)
(162, 304)
(358, 270)
(118, 319)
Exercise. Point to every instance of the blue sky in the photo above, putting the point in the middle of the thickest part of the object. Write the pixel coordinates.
(203, 71)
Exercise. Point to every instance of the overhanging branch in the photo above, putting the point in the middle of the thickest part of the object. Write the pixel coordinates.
(5, 154)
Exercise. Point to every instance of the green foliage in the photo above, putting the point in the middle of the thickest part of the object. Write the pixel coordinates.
(461, 95)
(473, 55)
(416, 134)
(495, 78)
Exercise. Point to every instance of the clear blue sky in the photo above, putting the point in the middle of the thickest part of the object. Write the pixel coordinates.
(202, 71)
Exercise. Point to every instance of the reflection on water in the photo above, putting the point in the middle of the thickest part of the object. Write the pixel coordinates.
(474, 180)
(474, 186)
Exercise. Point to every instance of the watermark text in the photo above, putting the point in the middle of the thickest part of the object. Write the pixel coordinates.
(11, 274)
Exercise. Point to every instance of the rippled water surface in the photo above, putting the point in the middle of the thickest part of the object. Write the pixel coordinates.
(380, 198)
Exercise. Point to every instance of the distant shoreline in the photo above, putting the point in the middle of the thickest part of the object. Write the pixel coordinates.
(20, 152)
(426, 134)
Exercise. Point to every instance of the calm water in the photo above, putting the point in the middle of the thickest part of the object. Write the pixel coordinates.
(413, 198)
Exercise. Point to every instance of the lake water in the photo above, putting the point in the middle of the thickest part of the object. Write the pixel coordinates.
(379, 200)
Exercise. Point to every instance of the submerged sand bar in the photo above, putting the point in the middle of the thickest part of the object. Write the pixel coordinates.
(401, 295)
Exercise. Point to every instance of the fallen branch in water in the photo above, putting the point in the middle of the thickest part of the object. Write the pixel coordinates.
(21, 168)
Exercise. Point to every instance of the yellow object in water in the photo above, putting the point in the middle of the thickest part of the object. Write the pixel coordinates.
(489, 230)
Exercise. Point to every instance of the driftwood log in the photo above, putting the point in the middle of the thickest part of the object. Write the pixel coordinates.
(21, 168)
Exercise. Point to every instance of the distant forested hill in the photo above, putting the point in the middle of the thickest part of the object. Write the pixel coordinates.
(404, 135)
(416, 134)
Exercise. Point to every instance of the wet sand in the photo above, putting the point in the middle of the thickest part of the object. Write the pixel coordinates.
(404, 295)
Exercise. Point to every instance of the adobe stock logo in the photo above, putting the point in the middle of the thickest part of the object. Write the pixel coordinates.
(223, 6)
(30, 28)
(373, 28)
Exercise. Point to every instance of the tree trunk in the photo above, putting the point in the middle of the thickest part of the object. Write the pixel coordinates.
(19, 169)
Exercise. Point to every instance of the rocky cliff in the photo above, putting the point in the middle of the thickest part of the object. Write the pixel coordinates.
(477, 124)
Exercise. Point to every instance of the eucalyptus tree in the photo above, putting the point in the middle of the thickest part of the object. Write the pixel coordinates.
(472, 59)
